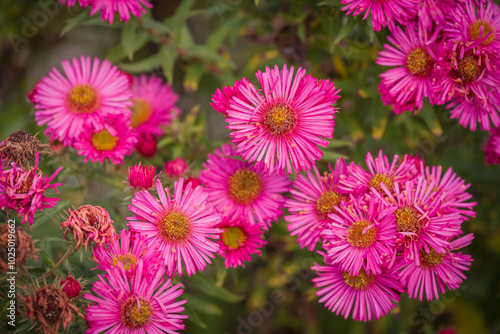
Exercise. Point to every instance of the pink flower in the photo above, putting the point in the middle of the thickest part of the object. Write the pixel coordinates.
(111, 139)
(71, 3)
(492, 148)
(314, 197)
(194, 182)
(362, 236)
(283, 124)
(222, 98)
(180, 227)
(367, 296)
(126, 252)
(176, 167)
(123, 7)
(241, 191)
(154, 105)
(71, 287)
(384, 13)
(238, 241)
(89, 91)
(141, 177)
(146, 145)
(24, 190)
(139, 304)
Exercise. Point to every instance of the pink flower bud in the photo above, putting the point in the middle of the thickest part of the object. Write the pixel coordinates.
(141, 177)
(146, 146)
(176, 167)
(71, 287)
(194, 183)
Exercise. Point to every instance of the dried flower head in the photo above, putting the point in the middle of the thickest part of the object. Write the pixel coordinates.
(21, 148)
(51, 308)
(22, 244)
(89, 223)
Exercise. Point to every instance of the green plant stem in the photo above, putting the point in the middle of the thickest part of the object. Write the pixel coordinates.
(58, 264)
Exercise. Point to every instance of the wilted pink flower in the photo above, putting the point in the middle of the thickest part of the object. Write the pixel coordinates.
(141, 177)
(89, 224)
(124, 8)
(492, 148)
(176, 167)
(71, 287)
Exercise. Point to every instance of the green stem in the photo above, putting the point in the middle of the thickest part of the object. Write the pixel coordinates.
(58, 264)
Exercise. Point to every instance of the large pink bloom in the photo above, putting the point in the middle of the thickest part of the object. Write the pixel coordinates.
(241, 191)
(88, 91)
(139, 304)
(123, 7)
(282, 125)
(314, 197)
(179, 226)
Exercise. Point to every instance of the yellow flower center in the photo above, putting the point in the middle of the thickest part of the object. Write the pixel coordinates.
(82, 99)
(244, 186)
(382, 178)
(326, 203)
(175, 226)
(141, 112)
(419, 62)
(360, 282)
(431, 259)
(475, 30)
(136, 312)
(279, 119)
(356, 237)
(468, 68)
(128, 261)
(233, 237)
(407, 220)
(104, 141)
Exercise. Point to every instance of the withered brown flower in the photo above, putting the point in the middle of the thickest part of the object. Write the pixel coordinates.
(23, 246)
(51, 308)
(21, 148)
(89, 223)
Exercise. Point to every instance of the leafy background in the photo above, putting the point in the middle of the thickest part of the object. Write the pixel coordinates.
(199, 46)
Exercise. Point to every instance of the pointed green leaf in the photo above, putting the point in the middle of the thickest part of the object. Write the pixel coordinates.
(74, 21)
(193, 316)
(208, 286)
(429, 115)
(146, 65)
(128, 39)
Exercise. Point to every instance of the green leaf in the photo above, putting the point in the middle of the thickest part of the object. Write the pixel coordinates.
(47, 258)
(202, 305)
(429, 115)
(381, 114)
(194, 317)
(344, 32)
(333, 3)
(167, 60)
(118, 52)
(74, 21)
(128, 39)
(146, 65)
(43, 216)
(208, 286)
(193, 76)
(157, 26)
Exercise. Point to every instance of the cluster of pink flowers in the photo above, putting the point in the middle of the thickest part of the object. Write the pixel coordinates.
(392, 228)
(100, 111)
(448, 53)
(108, 8)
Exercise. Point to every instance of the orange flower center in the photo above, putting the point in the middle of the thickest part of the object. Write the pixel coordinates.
(382, 178)
(356, 237)
(233, 237)
(475, 30)
(359, 282)
(104, 141)
(128, 261)
(279, 119)
(407, 220)
(175, 226)
(82, 99)
(136, 312)
(419, 62)
(431, 259)
(468, 68)
(244, 186)
(141, 112)
(326, 203)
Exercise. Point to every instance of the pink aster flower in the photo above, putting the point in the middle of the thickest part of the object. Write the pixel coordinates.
(411, 80)
(362, 236)
(154, 105)
(127, 250)
(134, 305)
(176, 167)
(436, 271)
(283, 124)
(238, 241)
(432, 13)
(24, 190)
(111, 139)
(71, 3)
(383, 13)
(88, 91)
(492, 148)
(380, 171)
(367, 296)
(141, 177)
(180, 227)
(124, 8)
(314, 197)
(222, 98)
(242, 191)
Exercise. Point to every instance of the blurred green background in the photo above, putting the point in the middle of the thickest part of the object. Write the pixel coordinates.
(199, 46)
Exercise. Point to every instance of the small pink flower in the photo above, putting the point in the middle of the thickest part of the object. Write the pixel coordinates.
(194, 182)
(146, 145)
(124, 8)
(141, 177)
(176, 167)
(71, 287)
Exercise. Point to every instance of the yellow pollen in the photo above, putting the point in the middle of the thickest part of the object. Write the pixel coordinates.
(468, 68)
(233, 237)
(475, 30)
(431, 259)
(326, 202)
(175, 226)
(356, 237)
(382, 178)
(244, 186)
(419, 62)
(141, 112)
(104, 141)
(279, 119)
(407, 220)
(82, 99)
(135, 315)
(360, 282)
(128, 261)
